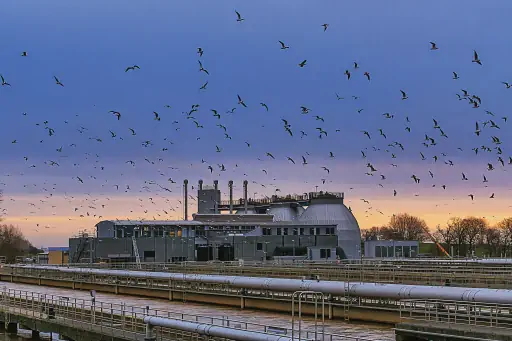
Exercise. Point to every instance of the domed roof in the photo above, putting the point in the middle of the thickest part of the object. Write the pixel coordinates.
(285, 211)
(331, 210)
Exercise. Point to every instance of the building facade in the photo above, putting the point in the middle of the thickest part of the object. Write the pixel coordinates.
(316, 226)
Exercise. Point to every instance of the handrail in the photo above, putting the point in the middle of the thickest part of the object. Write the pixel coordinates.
(456, 313)
(115, 318)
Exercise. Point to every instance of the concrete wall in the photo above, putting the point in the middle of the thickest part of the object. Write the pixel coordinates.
(168, 249)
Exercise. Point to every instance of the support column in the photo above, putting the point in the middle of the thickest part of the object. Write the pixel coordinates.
(149, 333)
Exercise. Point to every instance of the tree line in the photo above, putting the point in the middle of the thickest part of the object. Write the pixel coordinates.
(12, 241)
(460, 236)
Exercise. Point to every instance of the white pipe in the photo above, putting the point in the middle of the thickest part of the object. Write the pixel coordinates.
(377, 290)
(211, 330)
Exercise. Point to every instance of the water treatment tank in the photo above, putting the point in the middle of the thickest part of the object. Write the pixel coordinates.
(329, 209)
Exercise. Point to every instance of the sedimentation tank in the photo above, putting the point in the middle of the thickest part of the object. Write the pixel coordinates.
(336, 288)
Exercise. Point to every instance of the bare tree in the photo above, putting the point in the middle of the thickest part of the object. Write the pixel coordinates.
(493, 238)
(373, 233)
(13, 243)
(505, 227)
(404, 226)
(445, 235)
(459, 234)
(474, 227)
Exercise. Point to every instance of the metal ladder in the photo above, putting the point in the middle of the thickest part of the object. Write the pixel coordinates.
(136, 252)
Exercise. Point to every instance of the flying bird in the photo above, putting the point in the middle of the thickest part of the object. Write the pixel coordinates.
(132, 68)
(57, 81)
(201, 68)
(325, 26)
(240, 101)
(239, 17)
(303, 63)
(283, 46)
(4, 83)
(367, 74)
(476, 59)
(264, 106)
(433, 46)
(404, 95)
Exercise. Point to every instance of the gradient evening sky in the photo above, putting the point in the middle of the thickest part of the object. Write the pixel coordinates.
(88, 45)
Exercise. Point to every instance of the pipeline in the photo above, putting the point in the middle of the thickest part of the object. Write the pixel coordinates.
(337, 288)
(214, 331)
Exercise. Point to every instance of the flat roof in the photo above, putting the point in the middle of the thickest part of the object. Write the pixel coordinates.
(212, 223)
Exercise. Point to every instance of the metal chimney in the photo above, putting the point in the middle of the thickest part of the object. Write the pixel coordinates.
(230, 185)
(200, 185)
(185, 198)
(245, 195)
(216, 184)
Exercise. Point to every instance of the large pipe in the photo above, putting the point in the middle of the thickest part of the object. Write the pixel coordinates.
(245, 195)
(216, 185)
(212, 330)
(230, 185)
(337, 288)
(185, 198)
(200, 185)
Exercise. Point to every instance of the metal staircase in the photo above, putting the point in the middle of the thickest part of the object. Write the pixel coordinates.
(136, 252)
(79, 251)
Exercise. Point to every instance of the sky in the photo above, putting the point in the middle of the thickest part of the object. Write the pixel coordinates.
(54, 186)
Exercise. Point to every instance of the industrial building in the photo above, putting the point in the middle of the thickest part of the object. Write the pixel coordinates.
(391, 248)
(315, 225)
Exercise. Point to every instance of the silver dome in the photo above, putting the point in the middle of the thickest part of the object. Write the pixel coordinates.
(285, 211)
(331, 210)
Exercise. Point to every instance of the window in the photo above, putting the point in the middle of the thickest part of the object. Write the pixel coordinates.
(328, 252)
(322, 253)
(378, 251)
(318, 230)
(312, 231)
(278, 231)
(301, 231)
(267, 231)
(285, 230)
(259, 246)
(414, 251)
(295, 231)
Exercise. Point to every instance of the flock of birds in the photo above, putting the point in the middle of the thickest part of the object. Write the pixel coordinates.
(488, 134)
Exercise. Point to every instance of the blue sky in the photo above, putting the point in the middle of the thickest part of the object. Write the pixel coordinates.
(88, 45)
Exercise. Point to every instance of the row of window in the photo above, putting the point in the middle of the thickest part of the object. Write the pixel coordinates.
(396, 251)
(285, 231)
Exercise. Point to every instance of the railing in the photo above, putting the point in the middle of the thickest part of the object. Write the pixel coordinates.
(385, 272)
(125, 321)
(282, 198)
(457, 313)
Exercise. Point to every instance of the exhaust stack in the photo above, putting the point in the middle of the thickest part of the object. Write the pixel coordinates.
(185, 198)
(200, 185)
(215, 203)
(230, 185)
(245, 196)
